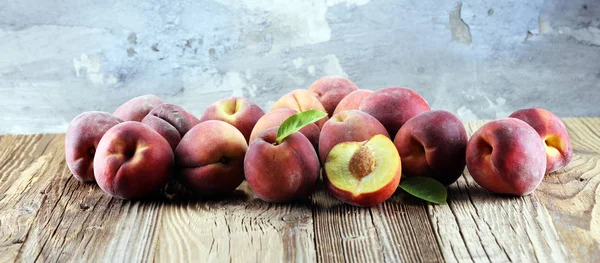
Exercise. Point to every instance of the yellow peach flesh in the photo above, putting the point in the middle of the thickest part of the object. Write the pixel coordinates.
(386, 159)
(553, 145)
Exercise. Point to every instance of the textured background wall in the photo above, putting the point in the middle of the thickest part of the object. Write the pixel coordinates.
(478, 59)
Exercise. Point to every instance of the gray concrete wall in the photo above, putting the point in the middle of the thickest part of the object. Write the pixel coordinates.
(478, 59)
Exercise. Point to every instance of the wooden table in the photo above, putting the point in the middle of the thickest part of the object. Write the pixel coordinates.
(46, 215)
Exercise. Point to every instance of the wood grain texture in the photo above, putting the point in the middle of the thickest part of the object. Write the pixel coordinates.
(78, 222)
(405, 231)
(240, 228)
(478, 226)
(344, 233)
(25, 171)
(572, 194)
(584, 133)
(397, 230)
(48, 216)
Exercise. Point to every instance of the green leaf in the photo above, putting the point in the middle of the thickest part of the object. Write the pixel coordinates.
(425, 188)
(298, 121)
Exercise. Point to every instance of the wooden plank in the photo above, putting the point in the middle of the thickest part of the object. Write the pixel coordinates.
(46, 215)
(397, 230)
(572, 194)
(584, 133)
(241, 228)
(25, 163)
(478, 226)
(344, 233)
(78, 222)
(405, 230)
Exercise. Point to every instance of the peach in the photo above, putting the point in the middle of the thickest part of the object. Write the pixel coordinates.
(433, 144)
(393, 106)
(331, 90)
(301, 100)
(132, 161)
(352, 101)
(137, 108)
(170, 121)
(274, 119)
(506, 156)
(239, 112)
(554, 134)
(348, 126)
(210, 158)
(281, 172)
(81, 140)
(363, 173)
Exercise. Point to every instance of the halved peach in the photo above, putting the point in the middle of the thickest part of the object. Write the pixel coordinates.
(363, 173)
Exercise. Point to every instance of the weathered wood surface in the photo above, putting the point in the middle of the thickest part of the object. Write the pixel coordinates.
(47, 216)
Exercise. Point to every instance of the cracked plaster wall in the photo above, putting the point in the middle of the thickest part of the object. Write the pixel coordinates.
(477, 59)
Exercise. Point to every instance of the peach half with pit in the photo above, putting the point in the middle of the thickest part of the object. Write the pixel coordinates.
(363, 173)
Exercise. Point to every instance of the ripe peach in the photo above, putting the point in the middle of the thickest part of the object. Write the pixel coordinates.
(239, 112)
(170, 121)
(363, 173)
(393, 106)
(348, 126)
(352, 101)
(281, 172)
(554, 134)
(506, 156)
(132, 161)
(137, 108)
(301, 100)
(81, 140)
(331, 90)
(210, 158)
(433, 144)
(274, 119)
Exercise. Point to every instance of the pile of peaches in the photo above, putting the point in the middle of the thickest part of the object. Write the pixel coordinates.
(361, 141)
